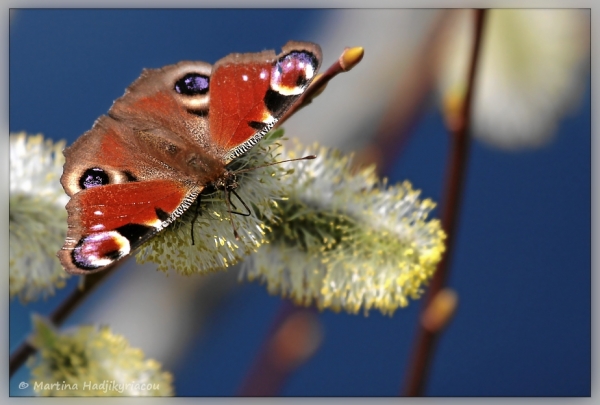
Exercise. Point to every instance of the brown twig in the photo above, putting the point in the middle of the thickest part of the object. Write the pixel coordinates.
(66, 307)
(349, 58)
(460, 142)
(293, 338)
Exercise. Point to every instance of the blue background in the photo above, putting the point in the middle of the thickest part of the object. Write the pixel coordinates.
(521, 265)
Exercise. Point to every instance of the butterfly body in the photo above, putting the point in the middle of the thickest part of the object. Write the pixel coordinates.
(171, 135)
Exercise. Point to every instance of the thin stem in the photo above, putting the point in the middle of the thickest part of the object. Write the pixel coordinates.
(319, 83)
(460, 139)
(273, 366)
(58, 316)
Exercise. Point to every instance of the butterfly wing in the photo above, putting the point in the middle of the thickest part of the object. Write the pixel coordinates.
(170, 105)
(106, 225)
(250, 92)
(120, 196)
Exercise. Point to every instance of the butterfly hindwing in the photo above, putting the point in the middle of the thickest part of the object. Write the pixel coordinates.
(108, 222)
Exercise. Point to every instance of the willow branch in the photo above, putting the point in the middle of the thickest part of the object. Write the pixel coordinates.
(460, 142)
(58, 316)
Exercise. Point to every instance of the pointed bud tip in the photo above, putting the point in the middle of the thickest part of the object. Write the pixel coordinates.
(453, 105)
(351, 57)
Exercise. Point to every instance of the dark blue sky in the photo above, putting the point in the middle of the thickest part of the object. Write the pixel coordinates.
(521, 265)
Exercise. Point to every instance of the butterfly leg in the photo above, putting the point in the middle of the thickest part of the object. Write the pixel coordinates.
(229, 184)
(247, 214)
(231, 202)
(228, 201)
(198, 200)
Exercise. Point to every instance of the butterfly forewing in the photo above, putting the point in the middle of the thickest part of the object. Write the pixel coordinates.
(250, 92)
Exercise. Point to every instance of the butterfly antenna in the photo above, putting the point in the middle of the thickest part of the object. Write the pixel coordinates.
(309, 157)
(228, 191)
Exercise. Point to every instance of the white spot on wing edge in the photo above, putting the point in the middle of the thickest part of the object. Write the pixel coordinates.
(157, 224)
(268, 119)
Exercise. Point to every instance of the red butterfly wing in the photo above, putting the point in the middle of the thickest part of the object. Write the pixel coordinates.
(108, 222)
(250, 92)
(120, 196)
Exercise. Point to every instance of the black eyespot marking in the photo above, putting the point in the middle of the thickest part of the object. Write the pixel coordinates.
(257, 125)
(162, 215)
(93, 177)
(301, 81)
(276, 102)
(130, 176)
(295, 69)
(192, 84)
(299, 56)
(113, 255)
(79, 260)
(86, 245)
(134, 232)
(199, 113)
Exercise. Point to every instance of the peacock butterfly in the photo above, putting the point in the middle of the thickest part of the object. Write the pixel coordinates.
(166, 139)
